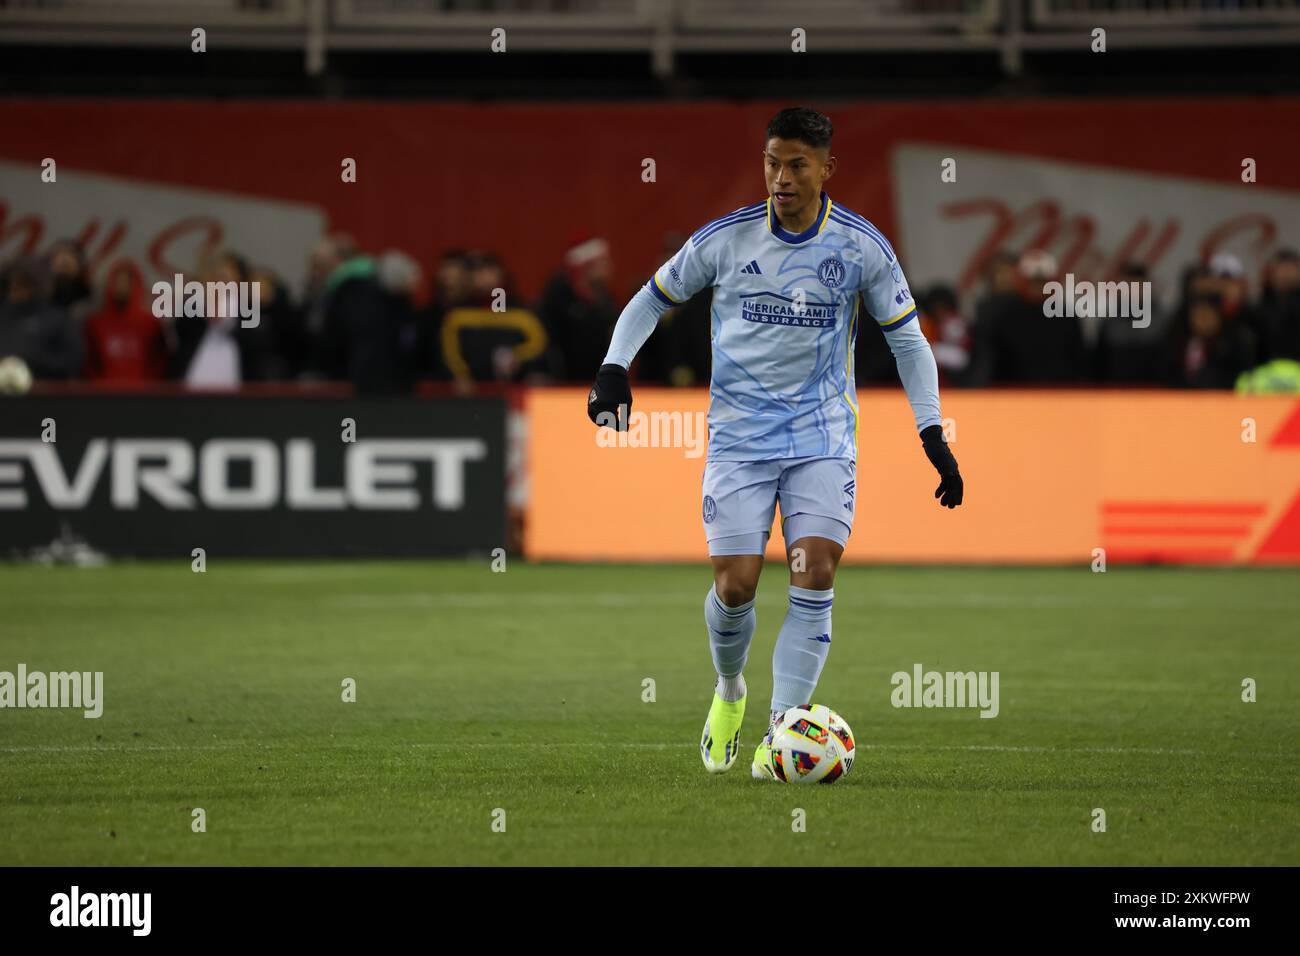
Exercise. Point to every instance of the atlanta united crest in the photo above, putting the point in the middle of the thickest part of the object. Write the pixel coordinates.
(830, 273)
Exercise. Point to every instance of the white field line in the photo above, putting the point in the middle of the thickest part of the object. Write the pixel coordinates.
(508, 601)
(620, 745)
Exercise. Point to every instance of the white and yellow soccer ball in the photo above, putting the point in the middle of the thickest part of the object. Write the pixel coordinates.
(15, 376)
(811, 744)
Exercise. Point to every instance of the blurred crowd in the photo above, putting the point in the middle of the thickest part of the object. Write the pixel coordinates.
(1210, 333)
(370, 319)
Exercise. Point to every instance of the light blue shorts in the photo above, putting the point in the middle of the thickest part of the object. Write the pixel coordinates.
(740, 498)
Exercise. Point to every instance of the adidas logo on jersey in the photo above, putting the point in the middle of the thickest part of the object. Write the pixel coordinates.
(752, 268)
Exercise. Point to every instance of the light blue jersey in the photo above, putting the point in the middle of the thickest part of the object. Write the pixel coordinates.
(784, 323)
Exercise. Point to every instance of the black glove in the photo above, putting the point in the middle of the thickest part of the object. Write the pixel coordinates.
(936, 449)
(611, 397)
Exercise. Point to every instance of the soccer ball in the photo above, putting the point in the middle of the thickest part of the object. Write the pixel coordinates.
(15, 376)
(811, 744)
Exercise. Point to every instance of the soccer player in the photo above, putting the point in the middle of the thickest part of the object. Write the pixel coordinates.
(783, 418)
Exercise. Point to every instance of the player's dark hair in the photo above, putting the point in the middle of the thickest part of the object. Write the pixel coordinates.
(801, 123)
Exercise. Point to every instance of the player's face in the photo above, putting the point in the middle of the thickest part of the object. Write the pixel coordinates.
(795, 173)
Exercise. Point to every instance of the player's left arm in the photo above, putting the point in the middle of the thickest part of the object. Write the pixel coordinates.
(890, 303)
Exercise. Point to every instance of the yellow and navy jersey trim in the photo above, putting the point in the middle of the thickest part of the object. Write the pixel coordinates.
(744, 214)
(848, 369)
(657, 289)
(851, 220)
(823, 216)
(900, 320)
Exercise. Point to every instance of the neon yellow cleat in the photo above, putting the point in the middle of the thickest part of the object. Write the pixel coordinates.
(761, 768)
(720, 742)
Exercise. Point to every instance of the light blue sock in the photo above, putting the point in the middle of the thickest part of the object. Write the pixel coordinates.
(730, 631)
(801, 647)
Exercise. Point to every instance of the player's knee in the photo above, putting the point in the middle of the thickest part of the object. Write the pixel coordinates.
(734, 590)
(816, 569)
(820, 574)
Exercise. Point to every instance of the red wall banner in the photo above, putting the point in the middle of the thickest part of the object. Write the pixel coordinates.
(521, 179)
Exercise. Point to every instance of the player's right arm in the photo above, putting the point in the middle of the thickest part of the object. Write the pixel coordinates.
(690, 270)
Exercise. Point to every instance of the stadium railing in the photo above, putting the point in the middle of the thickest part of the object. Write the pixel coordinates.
(1058, 14)
(661, 27)
(157, 23)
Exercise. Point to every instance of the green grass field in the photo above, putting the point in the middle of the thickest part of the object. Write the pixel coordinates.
(523, 691)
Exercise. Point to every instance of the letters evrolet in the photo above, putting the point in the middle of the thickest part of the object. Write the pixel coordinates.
(379, 474)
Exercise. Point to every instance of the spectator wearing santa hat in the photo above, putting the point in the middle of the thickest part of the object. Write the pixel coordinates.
(578, 311)
(1234, 298)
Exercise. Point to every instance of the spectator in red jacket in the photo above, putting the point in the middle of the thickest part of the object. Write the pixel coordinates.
(124, 342)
